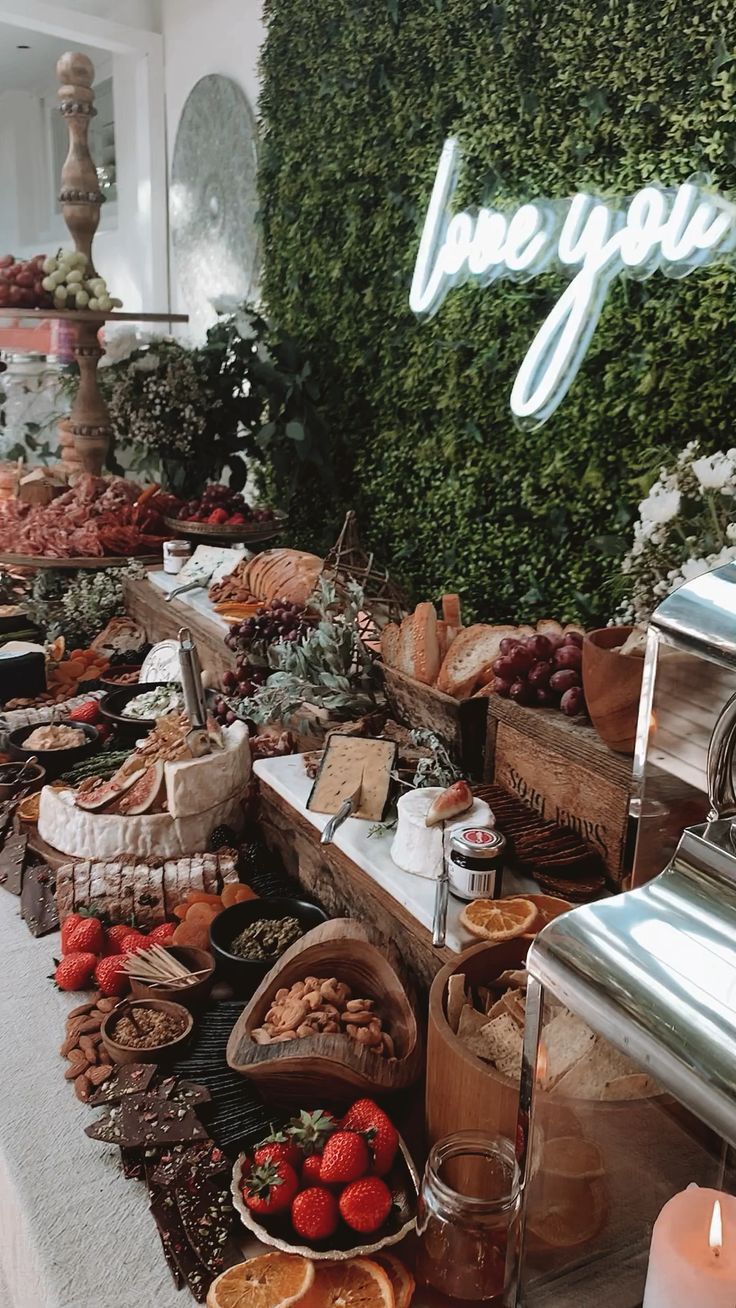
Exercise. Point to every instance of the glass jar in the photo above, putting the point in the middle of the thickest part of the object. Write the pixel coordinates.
(475, 863)
(467, 1217)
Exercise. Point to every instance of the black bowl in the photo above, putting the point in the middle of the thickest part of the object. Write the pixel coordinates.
(245, 974)
(54, 761)
(107, 682)
(113, 704)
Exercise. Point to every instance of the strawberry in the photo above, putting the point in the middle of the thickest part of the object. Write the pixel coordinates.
(277, 1147)
(310, 1130)
(74, 972)
(88, 937)
(218, 516)
(161, 935)
(134, 940)
(310, 1169)
(88, 712)
(315, 1214)
(365, 1204)
(345, 1158)
(383, 1138)
(109, 975)
(270, 1188)
(115, 937)
(68, 926)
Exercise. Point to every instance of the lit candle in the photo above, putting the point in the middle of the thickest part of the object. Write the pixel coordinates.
(692, 1257)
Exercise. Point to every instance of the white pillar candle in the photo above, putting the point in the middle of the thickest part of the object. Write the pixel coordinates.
(692, 1257)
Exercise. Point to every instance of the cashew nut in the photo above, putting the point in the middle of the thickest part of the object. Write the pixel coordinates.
(335, 992)
(359, 1005)
(260, 1036)
(358, 1019)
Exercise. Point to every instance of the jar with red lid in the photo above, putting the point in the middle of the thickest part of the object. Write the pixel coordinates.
(475, 862)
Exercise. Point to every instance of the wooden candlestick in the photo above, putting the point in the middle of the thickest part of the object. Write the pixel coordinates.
(80, 195)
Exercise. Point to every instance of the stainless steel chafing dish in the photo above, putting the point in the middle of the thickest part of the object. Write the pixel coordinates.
(649, 975)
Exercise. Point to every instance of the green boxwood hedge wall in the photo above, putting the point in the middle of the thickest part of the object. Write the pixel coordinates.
(546, 97)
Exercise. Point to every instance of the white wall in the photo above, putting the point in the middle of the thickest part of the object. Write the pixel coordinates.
(221, 36)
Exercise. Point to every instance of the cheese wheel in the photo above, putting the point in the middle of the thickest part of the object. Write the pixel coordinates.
(416, 847)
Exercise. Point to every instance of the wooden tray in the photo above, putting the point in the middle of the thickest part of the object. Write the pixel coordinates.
(93, 562)
(329, 1068)
(256, 532)
(460, 723)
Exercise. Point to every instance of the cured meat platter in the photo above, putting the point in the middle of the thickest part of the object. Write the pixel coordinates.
(90, 562)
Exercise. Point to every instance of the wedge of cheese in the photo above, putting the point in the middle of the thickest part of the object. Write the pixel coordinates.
(350, 761)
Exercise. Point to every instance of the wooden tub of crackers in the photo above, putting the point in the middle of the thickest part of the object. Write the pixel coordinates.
(464, 1092)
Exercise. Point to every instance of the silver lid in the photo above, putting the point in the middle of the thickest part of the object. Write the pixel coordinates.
(477, 842)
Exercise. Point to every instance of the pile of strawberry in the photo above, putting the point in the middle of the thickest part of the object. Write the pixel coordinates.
(92, 954)
(90, 713)
(320, 1171)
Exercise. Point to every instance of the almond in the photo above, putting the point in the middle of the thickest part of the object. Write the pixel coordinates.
(82, 1088)
(90, 1024)
(99, 1074)
(106, 1005)
(75, 1069)
(69, 1045)
(81, 1011)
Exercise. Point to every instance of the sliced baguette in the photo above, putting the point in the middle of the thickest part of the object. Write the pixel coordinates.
(470, 652)
(443, 638)
(405, 650)
(548, 627)
(390, 637)
(451, 611)
(425, 654)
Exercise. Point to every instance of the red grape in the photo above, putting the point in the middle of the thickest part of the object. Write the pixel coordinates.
(573, 638)
(522, 692)
(540, 646)
(540, 673)
(565, 679)
(545, 697)
(503, 668)
(508, 644)
(521, 659)
(499, 687)
(569, 656)
(573, 701)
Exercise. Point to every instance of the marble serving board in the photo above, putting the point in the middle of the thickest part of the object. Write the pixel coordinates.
(372, 854)
(193, 599)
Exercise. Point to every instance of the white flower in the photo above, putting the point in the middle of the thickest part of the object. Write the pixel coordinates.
(147, 362)
(731, 532)
(693, 568)
(714, 471)
(119, 344)
(659, 506)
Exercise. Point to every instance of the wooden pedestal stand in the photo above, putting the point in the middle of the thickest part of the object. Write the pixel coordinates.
(81, 198)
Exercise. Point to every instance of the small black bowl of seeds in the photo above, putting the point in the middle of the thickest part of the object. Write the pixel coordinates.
(146, 1030)
(247, 939)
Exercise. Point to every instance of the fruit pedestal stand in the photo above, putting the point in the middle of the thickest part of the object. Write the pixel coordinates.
(81, 198)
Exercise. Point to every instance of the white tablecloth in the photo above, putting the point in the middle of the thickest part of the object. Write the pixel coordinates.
(74, 1233)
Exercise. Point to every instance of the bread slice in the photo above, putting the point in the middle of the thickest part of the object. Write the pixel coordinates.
(443, 638)
(548, 627)
(451, 611)
(405, 650)
(390, 644)
(425, 655)
(470, 652)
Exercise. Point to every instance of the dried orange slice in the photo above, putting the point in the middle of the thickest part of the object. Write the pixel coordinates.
(356, 1283)
(402, 1281)
(274, 1280)
(572, 1158)
(498, 919)
(569, 1218)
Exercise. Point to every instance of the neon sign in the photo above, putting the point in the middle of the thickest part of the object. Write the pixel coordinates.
(592, 240)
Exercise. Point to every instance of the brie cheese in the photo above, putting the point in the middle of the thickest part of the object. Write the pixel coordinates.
(416, 847)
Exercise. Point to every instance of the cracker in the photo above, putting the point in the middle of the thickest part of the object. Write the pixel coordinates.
(456, 999)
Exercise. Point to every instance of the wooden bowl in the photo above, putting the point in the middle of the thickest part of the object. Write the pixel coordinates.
(464, 1093)
(244, 974)
(330, 1069)
(190, 996)
(612, 685)
(402, 1181)
(156, 1053)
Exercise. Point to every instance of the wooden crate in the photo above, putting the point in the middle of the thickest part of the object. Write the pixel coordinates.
(562, 769)
(161, 621)
(460, 722)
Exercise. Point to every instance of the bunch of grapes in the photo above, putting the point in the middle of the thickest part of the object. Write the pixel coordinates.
(66, 280)
(282, 619)
(541, 670)
(220, 505)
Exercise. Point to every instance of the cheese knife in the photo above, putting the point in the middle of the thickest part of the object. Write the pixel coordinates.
(347, 807)
(197, 737)
(441, 898)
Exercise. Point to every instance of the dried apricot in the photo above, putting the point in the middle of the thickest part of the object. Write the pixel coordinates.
(181, 911)
(201, 897)
(229, 893)
(243, 893)
(187, 934)
(201, 913)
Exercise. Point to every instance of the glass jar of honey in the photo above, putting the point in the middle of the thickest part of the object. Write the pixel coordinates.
(467, 1217)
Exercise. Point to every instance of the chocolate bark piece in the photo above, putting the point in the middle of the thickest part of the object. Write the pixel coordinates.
(7, 809)
(134, 1163)
(168, 1248)
(187, 1092)
(206, 1213)
(128, 1079)
(205, 1159)
(37, 903)
(107, 1129)
(12, 862)
(166, 1215)
(150, 1120)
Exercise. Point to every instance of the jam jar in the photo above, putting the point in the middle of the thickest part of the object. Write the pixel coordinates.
(468, 1218)
(176, 554)
(475, 862)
